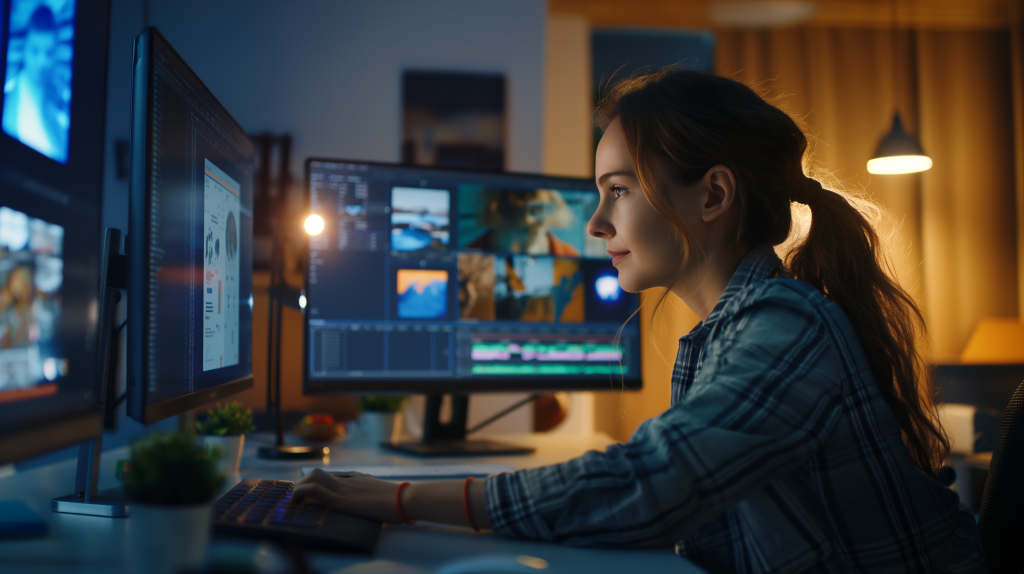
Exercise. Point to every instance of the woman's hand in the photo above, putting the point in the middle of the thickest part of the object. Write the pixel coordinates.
(353, 493)
(363, 495)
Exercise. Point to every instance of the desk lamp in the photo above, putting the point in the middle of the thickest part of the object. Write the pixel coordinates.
(280, 293)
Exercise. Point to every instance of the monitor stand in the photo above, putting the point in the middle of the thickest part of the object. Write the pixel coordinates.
(87, 499)
(449, 439)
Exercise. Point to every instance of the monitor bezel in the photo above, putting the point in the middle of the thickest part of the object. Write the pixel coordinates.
(138, 406)
(420, 386)
(48, 436)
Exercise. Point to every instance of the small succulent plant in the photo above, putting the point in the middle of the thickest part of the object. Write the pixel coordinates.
(381, 403)
(227, 420)
(172, 469)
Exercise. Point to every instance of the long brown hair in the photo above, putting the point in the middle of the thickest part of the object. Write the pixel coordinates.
(697, 121)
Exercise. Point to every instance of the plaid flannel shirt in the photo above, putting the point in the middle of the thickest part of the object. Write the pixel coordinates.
(778, 454)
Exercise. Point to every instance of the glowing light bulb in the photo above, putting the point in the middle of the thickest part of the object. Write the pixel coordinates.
(302, 301)
(899, 164)
(314, 224)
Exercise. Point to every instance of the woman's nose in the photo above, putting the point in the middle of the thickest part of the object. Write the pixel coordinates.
(599, 227)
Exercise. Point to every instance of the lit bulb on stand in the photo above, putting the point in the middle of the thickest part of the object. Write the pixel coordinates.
(314, 224)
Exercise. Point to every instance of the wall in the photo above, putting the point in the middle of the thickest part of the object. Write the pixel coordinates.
(568, 144)
(330, 72)
(568, 135)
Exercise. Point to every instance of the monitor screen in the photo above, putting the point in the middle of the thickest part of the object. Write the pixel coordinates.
(40, 51)
(53, 64)
(190, 278)
(435, 280)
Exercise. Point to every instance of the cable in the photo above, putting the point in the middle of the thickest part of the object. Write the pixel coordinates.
(121, 326)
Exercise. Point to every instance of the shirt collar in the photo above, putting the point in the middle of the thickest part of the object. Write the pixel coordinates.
(761, 263)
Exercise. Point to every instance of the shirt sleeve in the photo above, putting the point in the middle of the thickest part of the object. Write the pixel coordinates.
(767, 396)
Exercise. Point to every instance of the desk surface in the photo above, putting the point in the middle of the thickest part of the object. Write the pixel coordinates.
(92, 544)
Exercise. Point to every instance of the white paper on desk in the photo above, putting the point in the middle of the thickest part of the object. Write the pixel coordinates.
(430, 471)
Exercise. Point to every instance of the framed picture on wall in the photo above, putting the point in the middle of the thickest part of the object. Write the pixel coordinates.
(453, 119)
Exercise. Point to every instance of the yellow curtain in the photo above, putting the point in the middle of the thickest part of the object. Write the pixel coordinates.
(957, 246)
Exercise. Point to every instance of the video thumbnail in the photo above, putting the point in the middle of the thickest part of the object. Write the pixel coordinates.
(604, 300)
(37, 87)
(533, 221)
(521, 288)
(422, 293)
(419, 218)
(476, 286)
(31, 275)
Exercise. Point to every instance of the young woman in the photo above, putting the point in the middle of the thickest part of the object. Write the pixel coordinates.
(802, 436)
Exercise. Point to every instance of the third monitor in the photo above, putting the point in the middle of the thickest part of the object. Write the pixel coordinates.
(435, 281)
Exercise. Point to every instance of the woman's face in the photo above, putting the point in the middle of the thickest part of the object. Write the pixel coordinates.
(646, 248)
(40, 54)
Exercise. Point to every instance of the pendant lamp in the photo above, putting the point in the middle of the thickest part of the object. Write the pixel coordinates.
(898, 152)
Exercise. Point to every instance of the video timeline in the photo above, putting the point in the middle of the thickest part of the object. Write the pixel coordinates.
(497, 354)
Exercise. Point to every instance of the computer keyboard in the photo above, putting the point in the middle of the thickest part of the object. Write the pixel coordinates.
(263, 508)
(428, 471)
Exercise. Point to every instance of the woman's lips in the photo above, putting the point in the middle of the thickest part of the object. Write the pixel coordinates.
(616, 257)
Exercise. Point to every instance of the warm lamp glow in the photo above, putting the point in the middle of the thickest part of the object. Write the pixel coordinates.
(899, 164)
(314, 224)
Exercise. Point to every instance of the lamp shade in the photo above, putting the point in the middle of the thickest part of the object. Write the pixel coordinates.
(899, 152)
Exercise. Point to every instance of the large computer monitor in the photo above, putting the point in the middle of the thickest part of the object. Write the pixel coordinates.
(53, 69)
(442, 281)
(190, 231)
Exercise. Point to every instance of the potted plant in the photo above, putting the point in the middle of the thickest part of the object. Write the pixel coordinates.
(225, 428)
(171, 483)
(378, 418)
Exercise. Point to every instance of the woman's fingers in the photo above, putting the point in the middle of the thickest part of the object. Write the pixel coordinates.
(317, 492)
(355, 493)
(351, 475)
(318, 476)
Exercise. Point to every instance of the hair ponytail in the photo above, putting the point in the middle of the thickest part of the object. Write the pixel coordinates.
(697, 121)
(842, 257)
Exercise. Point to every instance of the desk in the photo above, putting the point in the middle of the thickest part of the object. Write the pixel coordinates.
(91, 544)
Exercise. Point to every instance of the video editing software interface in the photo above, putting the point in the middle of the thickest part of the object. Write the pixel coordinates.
(199, 236)
(430, 275)
(49, 215)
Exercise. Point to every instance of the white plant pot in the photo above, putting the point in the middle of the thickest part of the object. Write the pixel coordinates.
(167, 538)
(230, 448)
(378, 427)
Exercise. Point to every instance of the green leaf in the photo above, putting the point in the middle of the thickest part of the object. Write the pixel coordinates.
(172, 469)
(230, 419)
(381, 403)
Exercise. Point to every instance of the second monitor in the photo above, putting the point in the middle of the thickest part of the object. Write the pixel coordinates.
(190, 261)
(442, 281)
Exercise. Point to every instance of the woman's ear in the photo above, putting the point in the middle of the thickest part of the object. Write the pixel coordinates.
(719, 186)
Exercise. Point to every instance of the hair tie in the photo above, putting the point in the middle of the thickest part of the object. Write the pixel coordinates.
(802, 193)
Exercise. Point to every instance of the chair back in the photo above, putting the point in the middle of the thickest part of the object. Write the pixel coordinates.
(1001, 521)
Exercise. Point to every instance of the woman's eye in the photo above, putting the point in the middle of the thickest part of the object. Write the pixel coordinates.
(618, 191)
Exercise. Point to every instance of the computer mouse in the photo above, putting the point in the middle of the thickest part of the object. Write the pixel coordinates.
(494, 564)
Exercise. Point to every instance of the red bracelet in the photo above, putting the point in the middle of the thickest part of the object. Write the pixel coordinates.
(398, 502)
(465, 501)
